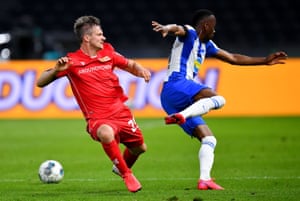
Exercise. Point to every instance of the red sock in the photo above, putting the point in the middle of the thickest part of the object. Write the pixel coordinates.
(113, 151)
(129, 157)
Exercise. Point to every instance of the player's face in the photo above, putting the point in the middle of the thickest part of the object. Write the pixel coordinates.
(209, 28)
(96, 37)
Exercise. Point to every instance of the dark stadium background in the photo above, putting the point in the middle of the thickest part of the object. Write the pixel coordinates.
(43, 29)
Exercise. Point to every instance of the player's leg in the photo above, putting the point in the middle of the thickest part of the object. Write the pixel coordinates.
(132, 137)
(204, 101)
(206, 157)
(106, 135)
(196, 127)
(130, 155)
(203, 106)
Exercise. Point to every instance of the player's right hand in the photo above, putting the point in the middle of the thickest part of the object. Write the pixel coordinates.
(63, 63)
(160, 28)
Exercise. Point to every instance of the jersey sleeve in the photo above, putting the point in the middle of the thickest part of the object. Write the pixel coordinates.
(211, 48)
(119, 60)
(190, 33)
(61, 74)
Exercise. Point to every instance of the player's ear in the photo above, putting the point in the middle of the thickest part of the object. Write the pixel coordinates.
(86, 37)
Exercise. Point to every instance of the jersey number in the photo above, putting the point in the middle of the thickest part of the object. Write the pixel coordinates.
(133, 125)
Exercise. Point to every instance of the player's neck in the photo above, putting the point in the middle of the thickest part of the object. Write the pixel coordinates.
(88, 51)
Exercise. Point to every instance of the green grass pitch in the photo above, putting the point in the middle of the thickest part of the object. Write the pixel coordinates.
(256, 158)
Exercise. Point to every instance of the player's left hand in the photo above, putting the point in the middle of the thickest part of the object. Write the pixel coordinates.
(276, 58)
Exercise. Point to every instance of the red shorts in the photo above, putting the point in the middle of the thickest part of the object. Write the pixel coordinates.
(125, 128)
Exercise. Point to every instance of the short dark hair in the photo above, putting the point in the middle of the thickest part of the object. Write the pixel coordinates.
(199, 15)
(83, 25)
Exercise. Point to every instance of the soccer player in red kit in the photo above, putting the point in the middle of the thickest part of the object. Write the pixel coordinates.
(100, 96)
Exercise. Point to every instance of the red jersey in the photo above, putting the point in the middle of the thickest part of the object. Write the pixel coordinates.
(94, 84)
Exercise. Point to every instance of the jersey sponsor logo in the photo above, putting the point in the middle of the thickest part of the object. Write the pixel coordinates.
(93, 69)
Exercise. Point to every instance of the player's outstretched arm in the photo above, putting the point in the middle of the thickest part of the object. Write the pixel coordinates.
(239, 59)
(49, 75)
(138, 70)
(171, 29)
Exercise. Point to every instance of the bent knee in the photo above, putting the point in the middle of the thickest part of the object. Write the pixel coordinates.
(143, 148)
(139, 149)
(105, 133)
(219, 101)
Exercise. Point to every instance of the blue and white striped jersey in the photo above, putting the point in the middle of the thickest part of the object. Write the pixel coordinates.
(187, 55)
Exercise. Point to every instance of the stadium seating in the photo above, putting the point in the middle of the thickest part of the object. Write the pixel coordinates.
(252, 27)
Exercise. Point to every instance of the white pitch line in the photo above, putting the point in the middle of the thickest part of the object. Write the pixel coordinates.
(158, 179)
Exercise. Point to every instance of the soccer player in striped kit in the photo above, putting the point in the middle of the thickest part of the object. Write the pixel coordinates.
(184, 100)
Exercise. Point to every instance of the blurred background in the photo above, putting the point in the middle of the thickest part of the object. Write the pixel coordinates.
(36, 29)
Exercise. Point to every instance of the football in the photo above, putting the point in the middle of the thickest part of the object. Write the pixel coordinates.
(51, 171)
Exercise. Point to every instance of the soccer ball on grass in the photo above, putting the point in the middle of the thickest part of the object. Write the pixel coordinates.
(51, 171)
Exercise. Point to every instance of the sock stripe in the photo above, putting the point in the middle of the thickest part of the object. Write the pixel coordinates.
(217, 105)
(211, 144)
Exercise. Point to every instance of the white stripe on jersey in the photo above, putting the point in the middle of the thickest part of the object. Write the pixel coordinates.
(187, 55)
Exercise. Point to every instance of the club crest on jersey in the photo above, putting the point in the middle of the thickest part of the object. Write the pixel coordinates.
(104, 59)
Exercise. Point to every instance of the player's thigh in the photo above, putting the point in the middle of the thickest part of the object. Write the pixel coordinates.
(204, 93)
(95, 126)
(130, 134)
(196, 127)
(133, 139)
(177, 95)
